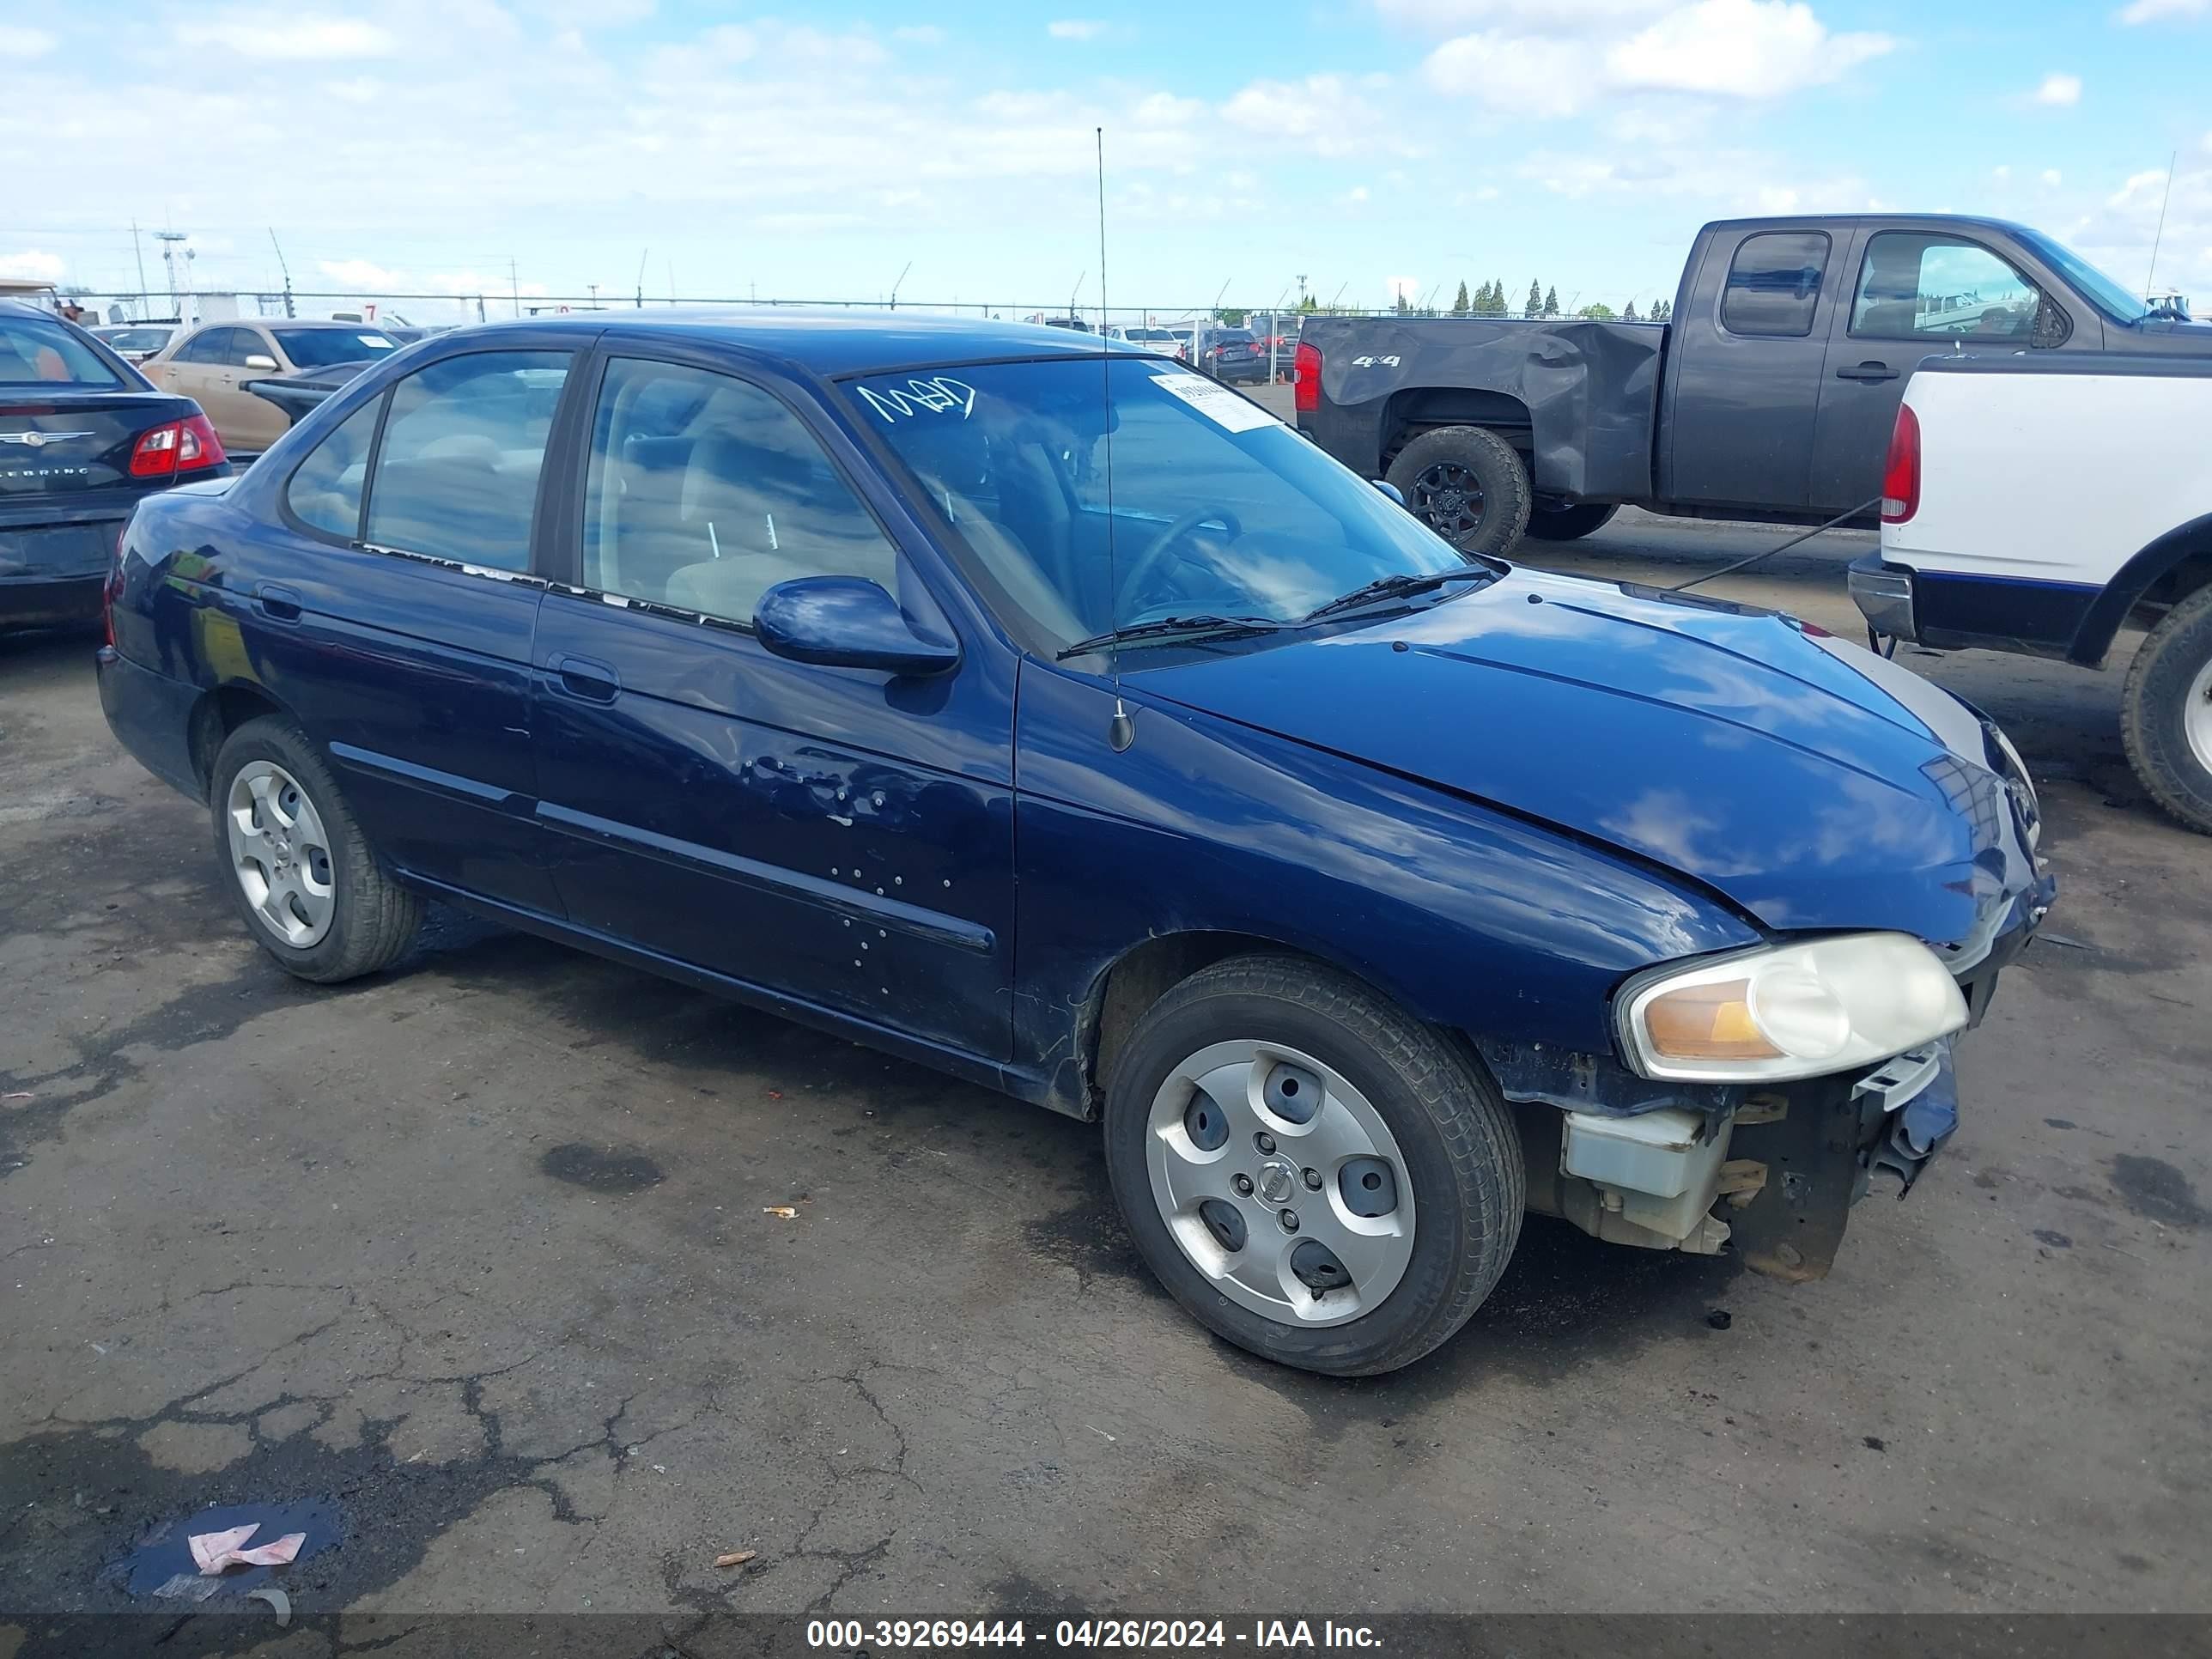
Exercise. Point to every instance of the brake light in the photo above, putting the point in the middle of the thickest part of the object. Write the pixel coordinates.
(1900, 475)
(184, 445)
(1305, 378)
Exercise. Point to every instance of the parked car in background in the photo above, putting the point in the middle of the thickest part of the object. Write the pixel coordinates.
(211, 363)
(1165, 342)
(1277, 339)
(1049, 321)
(823, 671)
(1769, 395)
(1231, 355)
(296, 394)
(83, 438)
(135, 342)
(1973, 553)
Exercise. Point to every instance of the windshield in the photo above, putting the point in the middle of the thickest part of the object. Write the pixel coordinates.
(37, 351)
(1153, 334)
(2104, 292)
(318, 348)
(135, 339)
(1215, 509)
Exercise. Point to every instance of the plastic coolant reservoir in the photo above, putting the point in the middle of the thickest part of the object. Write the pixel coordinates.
(1665, 1153)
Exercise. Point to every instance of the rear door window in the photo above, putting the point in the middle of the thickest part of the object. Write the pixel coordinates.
(324, 491)
(457, 475)
(1774, 283)
(37, 351)
(210, 345)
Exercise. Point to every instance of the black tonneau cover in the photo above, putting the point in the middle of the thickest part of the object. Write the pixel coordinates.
(1587, 392)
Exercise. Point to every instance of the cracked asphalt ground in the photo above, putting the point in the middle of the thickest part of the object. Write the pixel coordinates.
(481, 1250)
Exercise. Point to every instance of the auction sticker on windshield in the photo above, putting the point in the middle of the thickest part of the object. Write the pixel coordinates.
(1217, 403)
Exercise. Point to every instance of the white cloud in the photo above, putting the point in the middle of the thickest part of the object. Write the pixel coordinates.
(2001, 174)
(1555, 17)
(1554, 62)
(1523, 74)
(2053, 179)
(2061, 91)
(2149, 11)
(1740, 48)
(1324, 114)
(364, 275)
(18, 42)
(919, 34)
(1357, 193)
(1075, 28)
(287, 37)
(33, 264)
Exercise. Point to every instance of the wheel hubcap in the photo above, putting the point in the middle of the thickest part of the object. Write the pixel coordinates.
(1305, 1252)
(2196, 717)
(280, 854)
(1450, 498)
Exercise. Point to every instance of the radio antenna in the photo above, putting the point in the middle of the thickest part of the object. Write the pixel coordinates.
(2150, 277)
(1122, 732)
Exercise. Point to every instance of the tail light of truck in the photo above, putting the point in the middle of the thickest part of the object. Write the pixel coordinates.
(185, 446)
(1900, 475)
(1305, 378)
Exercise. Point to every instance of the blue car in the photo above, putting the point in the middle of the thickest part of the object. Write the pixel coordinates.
(1044, 711)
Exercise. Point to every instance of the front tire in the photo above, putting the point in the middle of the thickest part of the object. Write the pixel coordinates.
(1350, 1240)
(2166, 711)
(295, 862)
(1570, 523)
(1467, 484)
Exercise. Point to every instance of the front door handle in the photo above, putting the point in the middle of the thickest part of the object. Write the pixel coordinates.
(586, 678)
(1867, 370)
(278, 601)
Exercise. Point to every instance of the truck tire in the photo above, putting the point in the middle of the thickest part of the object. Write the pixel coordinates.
(1262, 1105)
(1467, 484)
(1569, 524)
(2166, 713)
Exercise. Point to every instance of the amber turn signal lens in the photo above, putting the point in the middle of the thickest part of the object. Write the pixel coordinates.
(1706, 1022)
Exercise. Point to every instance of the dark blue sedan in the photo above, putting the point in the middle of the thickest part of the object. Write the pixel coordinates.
(1046, 712)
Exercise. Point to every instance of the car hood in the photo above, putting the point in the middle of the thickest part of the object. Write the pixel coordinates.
(1809, 781)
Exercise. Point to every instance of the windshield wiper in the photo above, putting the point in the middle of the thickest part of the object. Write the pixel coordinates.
(1165, 628)
(1399, 587)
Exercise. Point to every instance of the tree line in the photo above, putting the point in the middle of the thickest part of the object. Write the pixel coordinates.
(1489, 301)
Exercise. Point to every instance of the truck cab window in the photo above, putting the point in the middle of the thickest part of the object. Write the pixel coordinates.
(1914, 286)
(1774, 283)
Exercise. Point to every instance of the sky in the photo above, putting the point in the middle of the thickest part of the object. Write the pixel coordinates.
(842, 149)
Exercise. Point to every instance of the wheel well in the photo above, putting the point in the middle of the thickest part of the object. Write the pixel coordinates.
(1412, 413)
(215, 716)
(2164, 573)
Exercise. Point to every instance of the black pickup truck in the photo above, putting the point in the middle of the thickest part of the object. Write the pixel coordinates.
(1769, 395)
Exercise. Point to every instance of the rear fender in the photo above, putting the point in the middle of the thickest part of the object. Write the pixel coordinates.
(2168, 569)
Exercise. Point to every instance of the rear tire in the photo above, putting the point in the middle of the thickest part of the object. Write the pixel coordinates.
(1390, 1098)
(350, 918)
(1569, 524)
(1467, 484)
(2166, 711)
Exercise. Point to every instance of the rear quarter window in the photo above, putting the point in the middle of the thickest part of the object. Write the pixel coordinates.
(1774, 283)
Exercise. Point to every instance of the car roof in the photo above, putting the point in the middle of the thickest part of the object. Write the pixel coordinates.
(827, 341)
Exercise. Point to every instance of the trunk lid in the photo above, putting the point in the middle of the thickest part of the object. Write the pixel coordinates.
(71, 446)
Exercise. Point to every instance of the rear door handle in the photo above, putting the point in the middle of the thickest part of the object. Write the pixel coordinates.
(586, 678)
(1867, 371)
(278, 601)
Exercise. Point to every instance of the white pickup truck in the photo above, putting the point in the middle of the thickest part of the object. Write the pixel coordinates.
(2034, 504)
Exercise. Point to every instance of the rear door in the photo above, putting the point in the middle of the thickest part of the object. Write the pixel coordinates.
(1913, 292)
(248, 356)
(192, 370)
(1744, 384)
(838, 836)
(402, 610)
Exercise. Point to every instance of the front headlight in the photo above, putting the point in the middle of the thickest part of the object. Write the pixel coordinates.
(1788, 1010)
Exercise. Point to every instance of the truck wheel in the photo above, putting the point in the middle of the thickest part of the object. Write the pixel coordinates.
(1569, 524)
(2166, 713)
(1467, 484)
(1317, 1176)
(296, 863)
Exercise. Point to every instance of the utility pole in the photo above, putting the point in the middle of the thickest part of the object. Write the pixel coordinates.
(286, 268)
(139, 254)
(1302, 290)
(641, 258)
(514, 283)
(594, 286)
(895, 286)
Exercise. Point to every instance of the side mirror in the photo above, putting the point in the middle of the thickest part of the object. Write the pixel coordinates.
(848, 622)
(1389, 490)
(259, 360)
